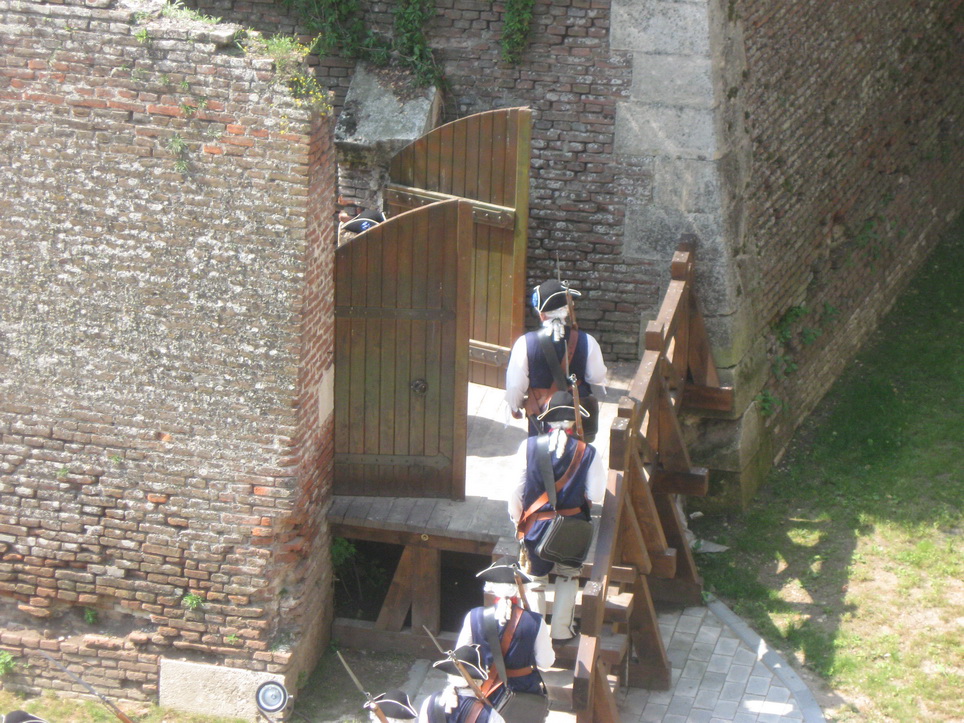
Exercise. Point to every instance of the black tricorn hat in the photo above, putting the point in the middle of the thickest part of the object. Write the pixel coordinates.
(394, 704)
(20, 716)
(364, 221)
(504, 571)
(471, 660)
(561, 407)
(550, 295)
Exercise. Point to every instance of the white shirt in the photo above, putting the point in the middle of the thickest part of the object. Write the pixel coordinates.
(595, 478)
(517, 370)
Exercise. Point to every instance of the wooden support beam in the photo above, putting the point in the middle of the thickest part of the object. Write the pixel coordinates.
(604, 707)
(594, 591)
(694, 483)
(354, 531)
(582, 682)
(427, 582)
(632, 545)
(398, 600)
(686, 588)
(649, 666)
(709, 399)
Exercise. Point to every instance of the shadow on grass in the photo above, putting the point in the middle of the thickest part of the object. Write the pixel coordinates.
(854, 541)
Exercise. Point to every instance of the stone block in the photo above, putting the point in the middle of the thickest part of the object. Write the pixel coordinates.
(644, 129)
(654, 231)
(381, 115)
(690, 185)
(202, 688)
(678, 28)
(672, 80)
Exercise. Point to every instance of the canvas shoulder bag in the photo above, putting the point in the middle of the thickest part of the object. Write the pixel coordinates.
(566, 539)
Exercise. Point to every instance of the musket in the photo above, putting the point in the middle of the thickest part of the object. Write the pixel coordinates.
(522, 591)
(368, 696)
(114, 709)
(565, 354)
(450, 654)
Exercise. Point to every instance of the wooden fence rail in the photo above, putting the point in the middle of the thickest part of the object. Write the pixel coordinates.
(642, 526)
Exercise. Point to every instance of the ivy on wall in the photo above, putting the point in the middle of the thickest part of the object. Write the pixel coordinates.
(340, 29)
(515, 29)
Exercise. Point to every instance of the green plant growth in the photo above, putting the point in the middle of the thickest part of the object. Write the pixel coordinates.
(855, 539)
(288, 55)
(769, 404)
(411, 16)
(177, 10)
(63, 473)
(7, 663)
(516, 24)
(192, 601)
(178, 148)
(91, 616)
(340, 28)
(142, 36)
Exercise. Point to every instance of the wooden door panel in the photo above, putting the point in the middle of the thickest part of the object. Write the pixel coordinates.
(483, 158)
(401, 360)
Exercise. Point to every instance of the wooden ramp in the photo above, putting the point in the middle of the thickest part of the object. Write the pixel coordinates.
(640, 553)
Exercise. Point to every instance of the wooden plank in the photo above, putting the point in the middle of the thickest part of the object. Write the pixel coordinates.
(583, 674)
(694, 483)
(686, 587)
(473, 127)
(710, 399)
(391, 533)
(631, 543)
(398, 600)
(594, 592)
(486, 214)
(604, 705)
(520, 241)
(427, 580)
(649, 667)
(497, 151)
(644, 506)
(673, 455)
(389, 341)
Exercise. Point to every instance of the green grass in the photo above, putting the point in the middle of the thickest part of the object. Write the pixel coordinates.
(59, 709)
(850, 558)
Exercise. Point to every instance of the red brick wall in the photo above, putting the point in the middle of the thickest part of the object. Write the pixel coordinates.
(165, 335)
(854, 115)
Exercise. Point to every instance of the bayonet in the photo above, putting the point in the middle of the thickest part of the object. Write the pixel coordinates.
(368, 696)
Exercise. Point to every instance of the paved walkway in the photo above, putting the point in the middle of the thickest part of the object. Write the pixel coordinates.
(722, 671)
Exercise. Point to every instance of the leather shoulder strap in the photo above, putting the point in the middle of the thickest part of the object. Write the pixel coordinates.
(549, 352)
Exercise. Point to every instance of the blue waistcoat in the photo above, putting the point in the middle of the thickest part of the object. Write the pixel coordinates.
(540, 375)
(572, 495)
(521, 652)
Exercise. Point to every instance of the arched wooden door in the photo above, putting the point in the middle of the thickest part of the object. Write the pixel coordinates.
(483, 158)
(401, 355)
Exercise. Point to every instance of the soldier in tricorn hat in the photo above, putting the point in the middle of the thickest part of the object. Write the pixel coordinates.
(524, 631)
(583, 475)
(457, 702)
(538, 357)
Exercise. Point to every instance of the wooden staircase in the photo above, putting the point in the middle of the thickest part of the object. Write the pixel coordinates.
(641, 552)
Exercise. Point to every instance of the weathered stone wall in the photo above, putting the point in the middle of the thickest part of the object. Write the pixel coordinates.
(841, 131)
(813, 150)
(166, 245)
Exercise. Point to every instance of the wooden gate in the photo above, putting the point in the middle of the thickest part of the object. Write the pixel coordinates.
(401, 362)
(483, 158)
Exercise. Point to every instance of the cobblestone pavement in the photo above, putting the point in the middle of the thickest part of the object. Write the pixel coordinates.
(722, 672)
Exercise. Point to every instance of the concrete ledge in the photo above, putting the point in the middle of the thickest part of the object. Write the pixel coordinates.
(211, 689)
(773, 660)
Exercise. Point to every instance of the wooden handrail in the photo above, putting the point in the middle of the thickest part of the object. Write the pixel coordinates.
(640, 526)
